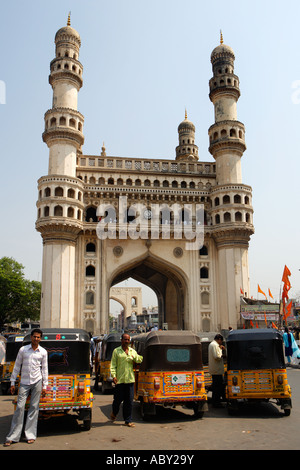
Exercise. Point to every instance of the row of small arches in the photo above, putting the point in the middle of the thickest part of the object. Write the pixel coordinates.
(236, 217)
(58, 211)
(224, 133)
(62, 121)
(237, 199)
(138, 182)
(65, 66)
(60, 192)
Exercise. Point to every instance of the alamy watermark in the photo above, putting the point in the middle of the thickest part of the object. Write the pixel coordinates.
(154, 221)
(2, 92)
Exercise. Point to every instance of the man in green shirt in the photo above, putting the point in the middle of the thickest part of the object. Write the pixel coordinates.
(122, 373)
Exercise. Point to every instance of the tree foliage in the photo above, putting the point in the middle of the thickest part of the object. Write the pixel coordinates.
(19, 298)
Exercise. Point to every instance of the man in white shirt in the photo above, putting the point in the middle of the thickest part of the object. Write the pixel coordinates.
(216, 369)
(32, 360)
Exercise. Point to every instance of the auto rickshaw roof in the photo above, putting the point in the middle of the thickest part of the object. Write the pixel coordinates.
(168, 337)
(256, 334)
(15, 338)
(112, 337)
(64, 334)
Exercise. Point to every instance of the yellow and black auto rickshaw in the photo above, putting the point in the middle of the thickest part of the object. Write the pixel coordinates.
(13, 344)
(171, 372)
(108, 344)
(256, 368)
(69, 384)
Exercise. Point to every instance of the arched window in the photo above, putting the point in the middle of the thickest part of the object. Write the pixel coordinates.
(238, 217)
(227, 217)
(90, 271)
(237, 199)
(226, 199)
(46, 211)
(71, 193)
(59, 192)
(205, 298)
(47, 192)
(204, 273)
(90, 248)
(58, 211)
(70, 212)
(203, 251)
(91, 215)
(89, 298)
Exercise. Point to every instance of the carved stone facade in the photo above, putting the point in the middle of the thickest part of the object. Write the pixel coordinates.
(104, 218)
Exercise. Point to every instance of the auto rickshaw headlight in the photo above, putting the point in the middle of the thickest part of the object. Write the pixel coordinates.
(156, 383)
(280, 379)
(234, 380)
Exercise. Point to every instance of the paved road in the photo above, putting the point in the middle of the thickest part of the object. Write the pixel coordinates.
(261, 427)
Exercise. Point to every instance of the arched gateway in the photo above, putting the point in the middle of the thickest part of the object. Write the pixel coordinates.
(180, 226)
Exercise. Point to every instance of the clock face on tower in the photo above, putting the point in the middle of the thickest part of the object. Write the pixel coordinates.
(147, 214)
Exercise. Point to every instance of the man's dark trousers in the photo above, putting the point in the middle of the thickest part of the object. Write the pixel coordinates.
(123, 393)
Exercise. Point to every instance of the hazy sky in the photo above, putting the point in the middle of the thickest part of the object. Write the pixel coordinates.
(144, 63)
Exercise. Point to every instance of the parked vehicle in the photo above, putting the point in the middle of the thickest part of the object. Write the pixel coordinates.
(171, 372)
(13, 344)
(256, 369)
(69, 384)
(108, 344)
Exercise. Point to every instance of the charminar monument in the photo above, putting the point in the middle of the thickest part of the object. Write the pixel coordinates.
(179, 225)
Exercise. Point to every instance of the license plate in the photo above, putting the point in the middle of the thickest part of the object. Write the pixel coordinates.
(236, 389)
(178, 379)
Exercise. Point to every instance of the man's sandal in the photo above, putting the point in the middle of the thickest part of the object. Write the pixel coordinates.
(8, 443)
(130, 425)
(30, 441)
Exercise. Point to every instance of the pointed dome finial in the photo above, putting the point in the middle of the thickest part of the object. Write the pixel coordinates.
(69, 19)
(221, 37)
(185, 116)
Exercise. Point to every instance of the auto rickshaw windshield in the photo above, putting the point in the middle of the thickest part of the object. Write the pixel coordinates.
(67, 353)
(255, 352)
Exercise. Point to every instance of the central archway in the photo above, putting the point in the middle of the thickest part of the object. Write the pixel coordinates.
(166, 281)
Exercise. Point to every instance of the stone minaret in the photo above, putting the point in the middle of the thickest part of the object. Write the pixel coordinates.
(232, 212)
(60, 203)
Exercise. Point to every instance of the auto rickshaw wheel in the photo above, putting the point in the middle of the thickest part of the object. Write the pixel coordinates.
(198, 411)
(87, 420)
(287, 412)
(147, 409)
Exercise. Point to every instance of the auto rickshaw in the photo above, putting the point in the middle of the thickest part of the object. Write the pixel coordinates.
(171, 372)
(13, 344)
(256, 369)
(109, 343)
(69, 387)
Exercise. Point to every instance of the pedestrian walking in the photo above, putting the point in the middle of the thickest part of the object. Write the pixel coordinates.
(32, 361)
(216, 369)
(122, 373)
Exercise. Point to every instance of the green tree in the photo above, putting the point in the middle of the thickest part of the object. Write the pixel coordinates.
(19, 297)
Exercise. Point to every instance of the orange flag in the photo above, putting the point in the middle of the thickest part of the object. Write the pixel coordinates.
(270, 294)
(286, 274)
(251, 323)
(288, 310)
(241, 291)
(274, 326)
(259, 290)
(266, 319)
